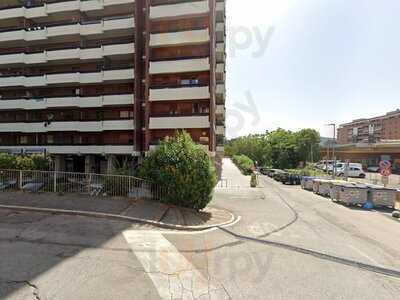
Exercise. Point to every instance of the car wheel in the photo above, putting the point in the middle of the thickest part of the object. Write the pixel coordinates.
(362, 176)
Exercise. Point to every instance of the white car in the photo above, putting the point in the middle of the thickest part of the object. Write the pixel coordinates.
(353, 171)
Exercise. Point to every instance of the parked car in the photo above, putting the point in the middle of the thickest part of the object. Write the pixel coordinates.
(373, 169)
(353, 171)
(265, 171)
(278, 174)
(271, 172)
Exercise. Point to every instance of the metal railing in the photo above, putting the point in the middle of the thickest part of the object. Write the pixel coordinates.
(96, 185)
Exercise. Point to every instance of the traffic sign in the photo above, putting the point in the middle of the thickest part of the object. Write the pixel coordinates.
(386, 168)
(386, 172)
(385, 164)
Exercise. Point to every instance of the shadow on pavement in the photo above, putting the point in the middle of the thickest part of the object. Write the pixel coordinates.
(32, 244)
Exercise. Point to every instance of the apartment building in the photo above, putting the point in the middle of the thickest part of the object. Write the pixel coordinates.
(373, 130)
(94, 82)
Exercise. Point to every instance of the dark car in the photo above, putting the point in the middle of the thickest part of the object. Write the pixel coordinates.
(279, 175)
(294, 179)
(265, 171)
(272, 172)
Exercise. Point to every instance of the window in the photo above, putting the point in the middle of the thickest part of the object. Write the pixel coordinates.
(50, 139)
(190, 81)
(23, 139)
(125, 114)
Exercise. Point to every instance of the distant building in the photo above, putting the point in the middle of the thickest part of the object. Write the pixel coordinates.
(371, 130)
(367, 154)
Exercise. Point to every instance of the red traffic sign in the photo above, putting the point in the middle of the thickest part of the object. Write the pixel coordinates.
(385, 164)
(386, 172)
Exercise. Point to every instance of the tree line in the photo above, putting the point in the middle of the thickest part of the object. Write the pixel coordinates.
(283, 149)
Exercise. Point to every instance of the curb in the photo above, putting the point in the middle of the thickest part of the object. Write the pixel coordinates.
(118, 217)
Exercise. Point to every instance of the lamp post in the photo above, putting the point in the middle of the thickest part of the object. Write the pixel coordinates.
(333, 149)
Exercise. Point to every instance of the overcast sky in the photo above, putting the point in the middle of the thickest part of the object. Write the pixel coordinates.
(306, 63)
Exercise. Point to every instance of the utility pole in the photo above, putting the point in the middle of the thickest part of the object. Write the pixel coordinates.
(333, 149)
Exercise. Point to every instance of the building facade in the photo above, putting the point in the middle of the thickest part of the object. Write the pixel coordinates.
(371, 130)
(94, 82)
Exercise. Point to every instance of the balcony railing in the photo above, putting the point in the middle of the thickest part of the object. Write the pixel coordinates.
(61, 78)
(179, 9)
(42, 33)
(179, 122)
(180, 38)
(89, 126)
(38, 9)
(55, 102)
(181, 93)
(67, 54)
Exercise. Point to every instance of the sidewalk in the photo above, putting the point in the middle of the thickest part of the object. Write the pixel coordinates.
(234, 178)
(142, 211)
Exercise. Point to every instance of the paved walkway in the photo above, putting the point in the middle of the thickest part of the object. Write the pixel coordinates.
(232, 177)
(148, 211)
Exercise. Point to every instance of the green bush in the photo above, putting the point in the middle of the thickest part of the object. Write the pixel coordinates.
(244, 163)
(307, 171)
(28, 162)
(184, 169)
(7, 161)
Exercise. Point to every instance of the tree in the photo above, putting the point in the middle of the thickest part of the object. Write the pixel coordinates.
(308, 145)
(281, 148)
(184, 169)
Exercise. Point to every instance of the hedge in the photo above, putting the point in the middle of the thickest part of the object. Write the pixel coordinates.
(184, 169)
(24, 162)
(244, 163)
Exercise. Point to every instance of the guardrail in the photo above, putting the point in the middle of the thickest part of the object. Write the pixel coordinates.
(81, 183)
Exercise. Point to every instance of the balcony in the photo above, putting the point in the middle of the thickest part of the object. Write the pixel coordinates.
(220, 11)
(84, 30)
(182, 93)
(179, 9)
(180, 66)
(220, 130)
(73, 149)
(220, 32)
(220, 73)
(179, 38)
(62, 78)
(96, 126)
(58, 7)
(82, 102)
(187, 122)
(220, 90)
(67, 54)
(220, 149)
(220, 110)
(155, 147)
(220, 50)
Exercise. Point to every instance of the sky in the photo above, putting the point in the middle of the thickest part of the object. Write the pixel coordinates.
(306, 63)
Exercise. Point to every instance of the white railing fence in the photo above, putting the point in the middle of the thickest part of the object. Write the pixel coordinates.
(81, 183)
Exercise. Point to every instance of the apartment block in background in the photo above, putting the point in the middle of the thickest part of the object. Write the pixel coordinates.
(97, 82)
(371, 130)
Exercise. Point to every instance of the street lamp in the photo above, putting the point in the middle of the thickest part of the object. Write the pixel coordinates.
(333, 149)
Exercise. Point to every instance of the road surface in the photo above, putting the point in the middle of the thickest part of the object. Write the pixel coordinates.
(289, 244)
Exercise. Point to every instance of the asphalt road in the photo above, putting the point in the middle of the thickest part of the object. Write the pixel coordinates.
(289, 244)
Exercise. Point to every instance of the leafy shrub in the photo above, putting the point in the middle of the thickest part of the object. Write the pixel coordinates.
(7, 161)
(28, 162)
(184, 169)
(244, 163)
(40, 162)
